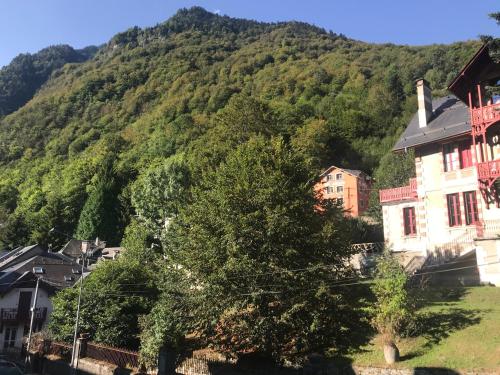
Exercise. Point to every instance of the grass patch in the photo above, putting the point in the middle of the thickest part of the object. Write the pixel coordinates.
(457, 329)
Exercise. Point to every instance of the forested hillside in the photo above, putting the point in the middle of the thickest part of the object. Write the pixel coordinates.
(20, 80)
(82, 153)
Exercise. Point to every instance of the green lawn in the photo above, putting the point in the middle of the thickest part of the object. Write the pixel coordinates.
(459, 330)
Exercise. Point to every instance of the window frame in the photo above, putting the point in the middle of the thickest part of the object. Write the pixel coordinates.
(340, 189)
(451, 157)
(409, 221)
(464, 148)
(454, 212)
(471, 211)
(338, 176)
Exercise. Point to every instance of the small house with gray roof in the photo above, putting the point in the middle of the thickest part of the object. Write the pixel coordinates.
(450, 210)
(19, 271)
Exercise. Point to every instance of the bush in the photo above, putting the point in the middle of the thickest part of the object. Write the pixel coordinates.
(392, 307)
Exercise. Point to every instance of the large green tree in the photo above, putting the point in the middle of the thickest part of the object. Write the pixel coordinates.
(158, 194)
(260, 254)
(114, 296)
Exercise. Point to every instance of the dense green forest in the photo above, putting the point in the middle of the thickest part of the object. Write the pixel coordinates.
(20, 80)
(84, 153)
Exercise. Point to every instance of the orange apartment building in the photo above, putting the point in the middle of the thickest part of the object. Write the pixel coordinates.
(349, 187)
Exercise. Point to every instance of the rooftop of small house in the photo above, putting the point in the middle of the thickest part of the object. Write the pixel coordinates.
(54, 269)
(450, 118)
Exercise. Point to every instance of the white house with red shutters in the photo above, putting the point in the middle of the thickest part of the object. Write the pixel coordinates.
(451, 209)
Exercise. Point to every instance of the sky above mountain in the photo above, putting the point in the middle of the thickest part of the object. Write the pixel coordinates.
(30, 25)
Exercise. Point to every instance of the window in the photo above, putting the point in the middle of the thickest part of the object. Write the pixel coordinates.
(450, 155)
(410, 221)
(338, 176)
(38, 270)
(470, 206)
(457, 155)
(340, 189)
(9, 338)
(464, 148)
(340, 201)
(329, 189)
(329, 177)
(453, 201)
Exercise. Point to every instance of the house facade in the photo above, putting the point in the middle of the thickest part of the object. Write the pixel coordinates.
(453, 202)
(348, 187)
(19, 271)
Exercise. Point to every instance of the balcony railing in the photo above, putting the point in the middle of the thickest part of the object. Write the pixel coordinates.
(12, 314)
(488, 169)
(488, 114)
(408, 192)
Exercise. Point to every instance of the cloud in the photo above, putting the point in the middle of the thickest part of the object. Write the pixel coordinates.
(217, 11)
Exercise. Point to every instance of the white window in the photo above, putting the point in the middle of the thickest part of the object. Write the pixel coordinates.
(338, 176)
(9, 338)
(329, 177)
(340, 189)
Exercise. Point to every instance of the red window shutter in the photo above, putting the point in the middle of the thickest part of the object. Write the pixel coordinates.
(470, 205)
(410, 221)
(454, 217)
(465, 154)
(413, 221)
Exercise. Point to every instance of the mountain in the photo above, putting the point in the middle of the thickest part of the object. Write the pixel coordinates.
(170, 90)
(20, 80)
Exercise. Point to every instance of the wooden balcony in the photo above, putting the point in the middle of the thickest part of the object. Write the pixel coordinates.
(11, 315)
(489, 170)
(408, 192)
(487, 115)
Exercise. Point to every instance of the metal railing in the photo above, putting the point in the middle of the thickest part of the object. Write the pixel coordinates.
(12, 314)
(486, 114)
(120, 357)
(488, 169)
(407, 192)
(368, 248)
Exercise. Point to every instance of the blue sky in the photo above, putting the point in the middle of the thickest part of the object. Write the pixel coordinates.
(29, 25)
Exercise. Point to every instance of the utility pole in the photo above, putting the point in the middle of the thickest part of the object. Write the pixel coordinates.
(75, 355)
(33, 308)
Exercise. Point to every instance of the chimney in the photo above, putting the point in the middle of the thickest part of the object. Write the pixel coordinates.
(424, 102)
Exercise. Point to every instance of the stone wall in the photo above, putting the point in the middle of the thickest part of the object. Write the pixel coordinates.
(86, 366)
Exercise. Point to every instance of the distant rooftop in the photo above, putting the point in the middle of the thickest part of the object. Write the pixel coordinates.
(354, 172)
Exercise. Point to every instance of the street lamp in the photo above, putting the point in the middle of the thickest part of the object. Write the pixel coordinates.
(84, 249)
(36, 270)
(74, 354)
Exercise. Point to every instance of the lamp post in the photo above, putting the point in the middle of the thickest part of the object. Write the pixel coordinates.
(84, 249)
(74, 354)
(33, 309)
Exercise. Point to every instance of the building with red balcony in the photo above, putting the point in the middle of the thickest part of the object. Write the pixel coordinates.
(348, 187)
(451, 209)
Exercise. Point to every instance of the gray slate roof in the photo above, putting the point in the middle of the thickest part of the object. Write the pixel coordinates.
(450, 119)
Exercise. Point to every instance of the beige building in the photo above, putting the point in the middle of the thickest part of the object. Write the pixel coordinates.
(450, 209)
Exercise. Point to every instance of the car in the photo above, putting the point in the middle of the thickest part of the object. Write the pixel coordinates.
(9, 368)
